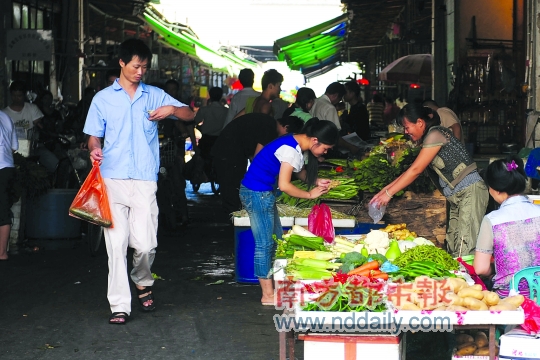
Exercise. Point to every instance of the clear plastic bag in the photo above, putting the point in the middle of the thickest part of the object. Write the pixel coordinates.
(376, 212)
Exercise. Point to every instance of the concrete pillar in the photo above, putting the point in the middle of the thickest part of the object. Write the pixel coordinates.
(6, 11)
(71, 85)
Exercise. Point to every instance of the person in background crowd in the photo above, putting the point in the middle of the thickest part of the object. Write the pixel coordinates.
(457, 175)
(238, 102)
(324, 109)
(376, 109)
(510, 234)
(125, 115)
(272, 168)
(449, 119)
(271, 85)
(209, 120)
(111, 76)
(358, 117)
(391, 110)
(179, 130)
(279, 106)
(305, 98)
(27, 120)
(239, 142)
(52, 122)
(8, 145)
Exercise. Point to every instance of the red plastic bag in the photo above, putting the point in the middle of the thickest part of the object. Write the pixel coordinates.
(91, 202)
(472, 273)
(320, 222)
(532, 316)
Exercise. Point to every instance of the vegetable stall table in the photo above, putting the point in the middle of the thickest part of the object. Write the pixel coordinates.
(347, 333)
(410, 320)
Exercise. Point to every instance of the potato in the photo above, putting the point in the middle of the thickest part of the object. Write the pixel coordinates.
(453, 299)
(476, 287)
(480, 339)
(490, 298)
(484, 351)
(464, 338)
(406, 305)
(456, 308)
(454, 284)
(462, 345)
(474, 304)
(503, 306)
(470, 292)
(515, 300)
(467, 350)
(440, 308)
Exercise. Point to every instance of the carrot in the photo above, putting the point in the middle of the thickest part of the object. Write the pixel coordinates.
(382, 275)
(366, 273)
(372, 265)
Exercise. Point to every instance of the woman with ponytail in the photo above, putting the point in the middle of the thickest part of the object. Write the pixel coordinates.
(273, 166)
(510, 234)
(456, 175)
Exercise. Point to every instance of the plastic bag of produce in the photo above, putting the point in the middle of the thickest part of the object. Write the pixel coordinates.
(91, 202)
(532, 316)
(376, 212)
(320, 222)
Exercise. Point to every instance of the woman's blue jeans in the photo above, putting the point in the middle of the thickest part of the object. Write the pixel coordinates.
(264, 219)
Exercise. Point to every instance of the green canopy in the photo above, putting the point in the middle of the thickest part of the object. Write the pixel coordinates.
(316, 48)
(185, 41)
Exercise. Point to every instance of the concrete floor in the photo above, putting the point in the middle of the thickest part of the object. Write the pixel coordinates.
(54, 303)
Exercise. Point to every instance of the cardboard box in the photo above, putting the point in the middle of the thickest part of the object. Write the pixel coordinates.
(535, 199)
(518, 344)
(351, 346)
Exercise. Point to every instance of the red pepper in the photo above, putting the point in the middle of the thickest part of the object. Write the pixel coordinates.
(339, 169)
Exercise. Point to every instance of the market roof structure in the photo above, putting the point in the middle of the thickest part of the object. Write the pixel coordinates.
(183, 39)
(314, 50)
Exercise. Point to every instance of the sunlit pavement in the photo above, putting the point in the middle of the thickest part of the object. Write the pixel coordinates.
(54, 303)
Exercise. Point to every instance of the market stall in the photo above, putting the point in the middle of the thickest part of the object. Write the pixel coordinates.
(364, 293)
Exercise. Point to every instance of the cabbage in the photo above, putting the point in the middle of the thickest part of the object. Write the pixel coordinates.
(423, 241)
(405, 245)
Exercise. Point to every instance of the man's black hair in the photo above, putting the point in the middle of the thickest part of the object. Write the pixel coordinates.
(246, 77)
(215, 93)
(134, 47)
(271, 76)
(335, 88)
(18, 85)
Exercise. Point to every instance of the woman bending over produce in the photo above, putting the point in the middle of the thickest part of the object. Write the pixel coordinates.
(457, 175)
(274, 164)
(512, 233)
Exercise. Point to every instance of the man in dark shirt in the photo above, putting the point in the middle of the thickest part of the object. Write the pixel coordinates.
(239, 142)
(358, 116)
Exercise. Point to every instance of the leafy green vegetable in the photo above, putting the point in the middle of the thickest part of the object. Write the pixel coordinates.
(380, 258)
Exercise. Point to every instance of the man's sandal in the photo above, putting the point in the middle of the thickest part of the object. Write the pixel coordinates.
(118, 318)
(148, 295)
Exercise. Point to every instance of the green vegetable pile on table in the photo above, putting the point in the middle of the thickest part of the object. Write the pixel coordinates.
(418, 268)
(346, 190)
(429, 253)
(286, 247)
(374, 173)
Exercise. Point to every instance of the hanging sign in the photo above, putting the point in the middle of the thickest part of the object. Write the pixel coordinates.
(29, 45)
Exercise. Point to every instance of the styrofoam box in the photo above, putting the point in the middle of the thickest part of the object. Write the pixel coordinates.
(471, 357)
(244, 221)
(518, 344)
(351, 346)
(338, 223)
(535, 199)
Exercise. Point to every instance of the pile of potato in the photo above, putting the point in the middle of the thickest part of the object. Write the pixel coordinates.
(452, 294)
(476, 344)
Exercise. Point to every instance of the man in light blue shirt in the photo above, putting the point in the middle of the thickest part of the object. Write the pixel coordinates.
(125, 116)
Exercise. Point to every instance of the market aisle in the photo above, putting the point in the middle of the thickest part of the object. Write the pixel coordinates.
(55, 306)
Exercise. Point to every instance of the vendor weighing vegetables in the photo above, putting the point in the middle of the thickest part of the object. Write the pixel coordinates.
(457, 175)
(272, 166)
